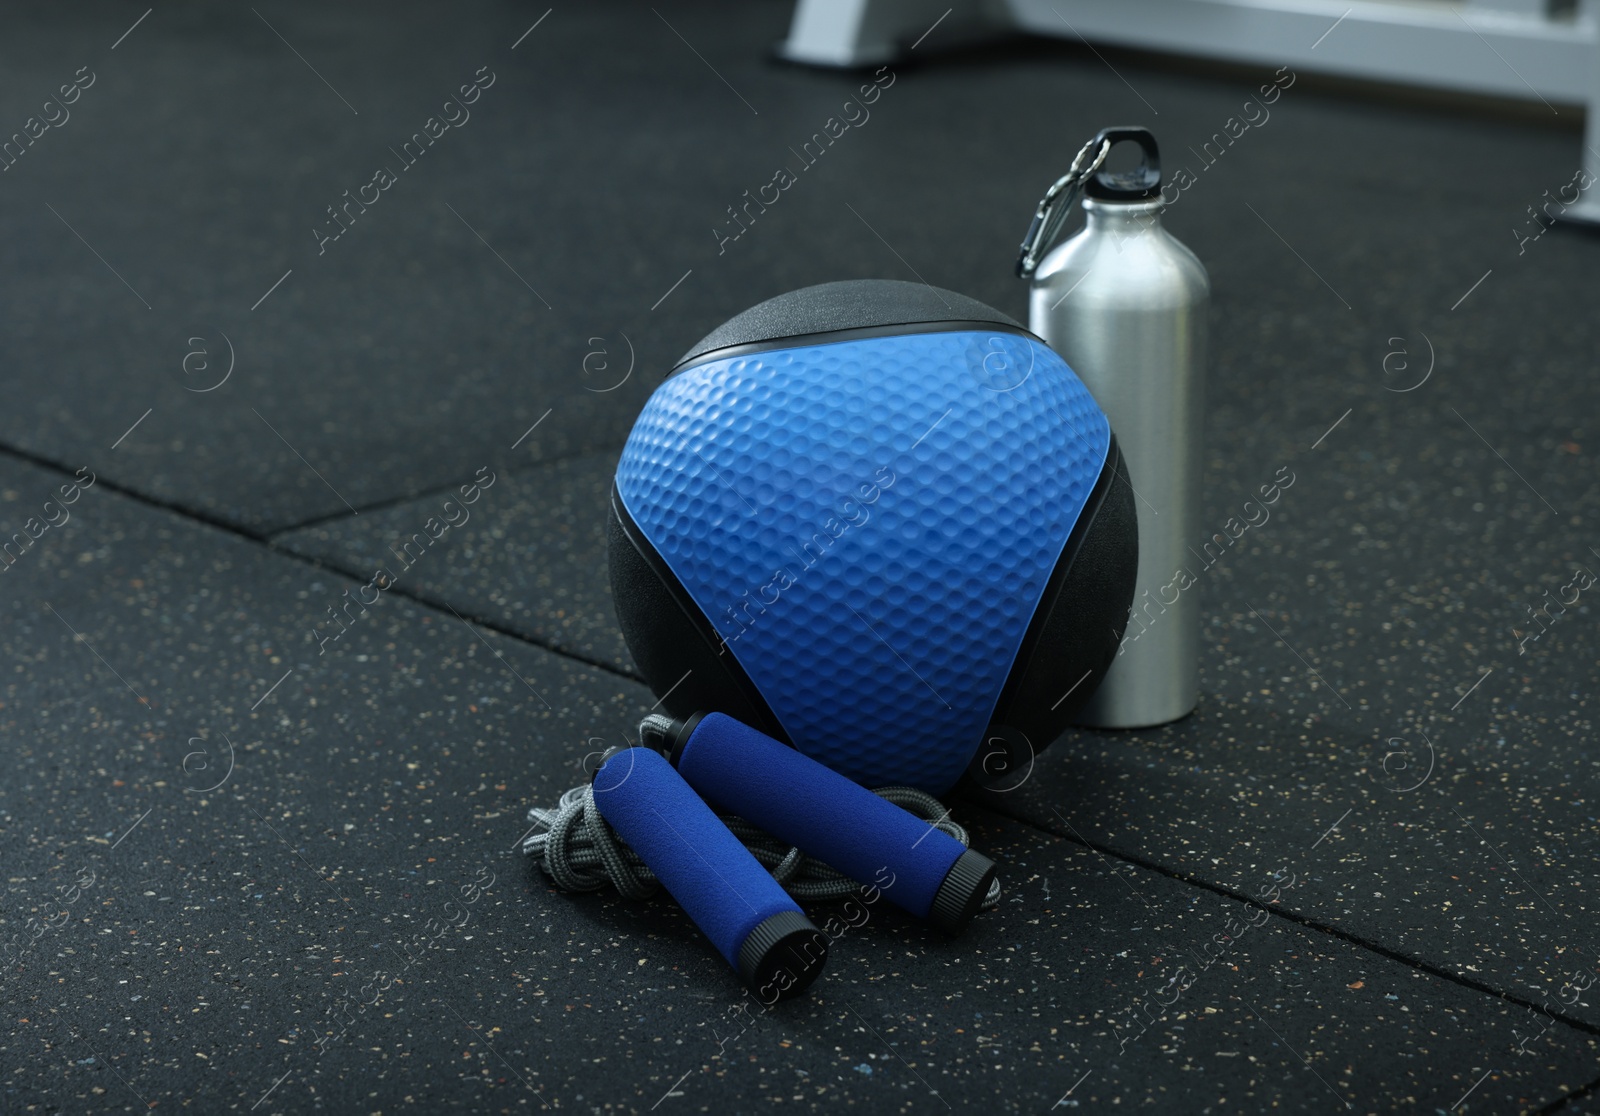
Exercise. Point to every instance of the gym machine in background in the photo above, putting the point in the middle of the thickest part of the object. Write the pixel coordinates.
(1543, 51)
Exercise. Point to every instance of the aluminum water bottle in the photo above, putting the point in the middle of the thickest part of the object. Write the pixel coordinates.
(1125, 304)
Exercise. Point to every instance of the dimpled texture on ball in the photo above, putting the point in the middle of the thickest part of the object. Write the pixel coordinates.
(870, 525)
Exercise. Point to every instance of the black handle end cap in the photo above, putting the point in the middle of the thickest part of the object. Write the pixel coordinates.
(782, 956)
(962, 892)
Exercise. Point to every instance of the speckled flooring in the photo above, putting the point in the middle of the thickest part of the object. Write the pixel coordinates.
(258, 862)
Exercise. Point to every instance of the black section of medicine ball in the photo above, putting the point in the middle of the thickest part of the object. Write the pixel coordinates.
(678, 651)
(1082, 613)
(849, 304)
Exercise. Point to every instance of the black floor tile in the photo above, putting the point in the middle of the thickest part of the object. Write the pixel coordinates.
(623, 1006)
(410, 351)
(1371, 721)
(528, 555)
(329, 861)
(215, 823)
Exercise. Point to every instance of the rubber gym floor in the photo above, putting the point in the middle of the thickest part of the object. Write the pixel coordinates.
(258, 862)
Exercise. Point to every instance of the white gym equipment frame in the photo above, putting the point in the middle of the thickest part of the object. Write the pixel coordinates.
(1542, 51)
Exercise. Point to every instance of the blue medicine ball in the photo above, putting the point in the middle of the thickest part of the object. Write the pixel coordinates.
(881, 522)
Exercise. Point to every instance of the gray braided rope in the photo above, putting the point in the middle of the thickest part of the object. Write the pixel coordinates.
(580, 851)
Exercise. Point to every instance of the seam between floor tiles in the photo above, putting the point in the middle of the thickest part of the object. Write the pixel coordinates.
(443, 606)
(265, 542)
(42, 462)
(1547, 1109)
(1292, 916)
(396, 501)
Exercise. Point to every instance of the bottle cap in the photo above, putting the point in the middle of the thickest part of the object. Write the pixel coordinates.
(1142, 183)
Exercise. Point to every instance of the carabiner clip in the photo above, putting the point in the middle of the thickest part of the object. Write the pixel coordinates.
(1056, 206)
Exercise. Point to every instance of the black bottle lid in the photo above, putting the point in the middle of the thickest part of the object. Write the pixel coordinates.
(1142, 183)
